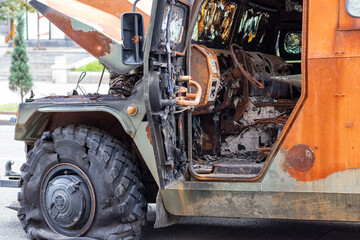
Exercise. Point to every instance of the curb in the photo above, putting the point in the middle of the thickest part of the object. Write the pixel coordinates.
(4, 122)
(7, 112)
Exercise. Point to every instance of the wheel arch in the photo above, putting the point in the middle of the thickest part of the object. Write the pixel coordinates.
(29, 128)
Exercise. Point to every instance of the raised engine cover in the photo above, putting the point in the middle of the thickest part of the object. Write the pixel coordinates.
(93, 24)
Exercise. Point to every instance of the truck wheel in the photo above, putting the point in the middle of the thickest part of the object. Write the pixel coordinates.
(81, 183)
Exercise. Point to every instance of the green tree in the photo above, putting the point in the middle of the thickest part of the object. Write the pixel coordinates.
(20, 78)
(11, 8)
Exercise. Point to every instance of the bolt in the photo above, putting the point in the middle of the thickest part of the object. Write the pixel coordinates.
(73, 187)
(349, 124)
(132, 109)
(59, 201)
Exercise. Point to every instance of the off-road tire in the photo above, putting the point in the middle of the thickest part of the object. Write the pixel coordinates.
(120, 208)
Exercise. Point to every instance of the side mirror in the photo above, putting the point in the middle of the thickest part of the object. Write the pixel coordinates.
(132, 33)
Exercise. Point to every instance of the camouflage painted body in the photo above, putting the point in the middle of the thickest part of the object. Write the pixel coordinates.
(324, 187)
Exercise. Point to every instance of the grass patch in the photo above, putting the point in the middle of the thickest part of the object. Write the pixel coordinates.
(90, 67)
(9, 107)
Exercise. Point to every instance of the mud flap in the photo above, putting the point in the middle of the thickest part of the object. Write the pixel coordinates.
(163, 217)
(15, 205)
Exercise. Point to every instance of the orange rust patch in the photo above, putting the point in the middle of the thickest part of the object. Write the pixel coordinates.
(148, 133)
(73, 9)
(132, 110)
(94, 42)
(300, 158)
(284, 165)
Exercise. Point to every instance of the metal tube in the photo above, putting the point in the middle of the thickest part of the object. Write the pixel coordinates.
(136, 33)
(101, 78)
(10, 183)
(294, 80)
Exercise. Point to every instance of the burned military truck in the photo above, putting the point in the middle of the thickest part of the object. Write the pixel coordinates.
(224, 108)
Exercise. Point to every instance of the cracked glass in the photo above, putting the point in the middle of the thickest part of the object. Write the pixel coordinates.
(292, 42)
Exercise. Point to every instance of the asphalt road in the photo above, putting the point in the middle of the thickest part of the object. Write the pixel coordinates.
(189, 227)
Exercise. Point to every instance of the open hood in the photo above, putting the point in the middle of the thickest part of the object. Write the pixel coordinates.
(94, 25)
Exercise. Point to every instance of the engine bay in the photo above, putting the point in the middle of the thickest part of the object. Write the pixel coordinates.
(249, 90)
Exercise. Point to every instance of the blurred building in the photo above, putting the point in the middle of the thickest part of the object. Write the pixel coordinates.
(49, 34)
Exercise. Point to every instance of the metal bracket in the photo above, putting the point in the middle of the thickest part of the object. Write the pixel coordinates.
(10, 183)
(13, 178)
(9, 172)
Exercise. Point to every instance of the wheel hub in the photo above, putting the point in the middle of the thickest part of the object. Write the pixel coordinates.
(67, 200)
(59, 202)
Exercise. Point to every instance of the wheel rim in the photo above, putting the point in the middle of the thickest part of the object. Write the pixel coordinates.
(67, 200)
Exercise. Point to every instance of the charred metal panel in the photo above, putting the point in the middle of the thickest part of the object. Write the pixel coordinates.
(206, 72)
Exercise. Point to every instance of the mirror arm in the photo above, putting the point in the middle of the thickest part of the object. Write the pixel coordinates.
(134, 6)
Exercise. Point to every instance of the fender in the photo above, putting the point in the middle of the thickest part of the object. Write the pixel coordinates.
(110, 115)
